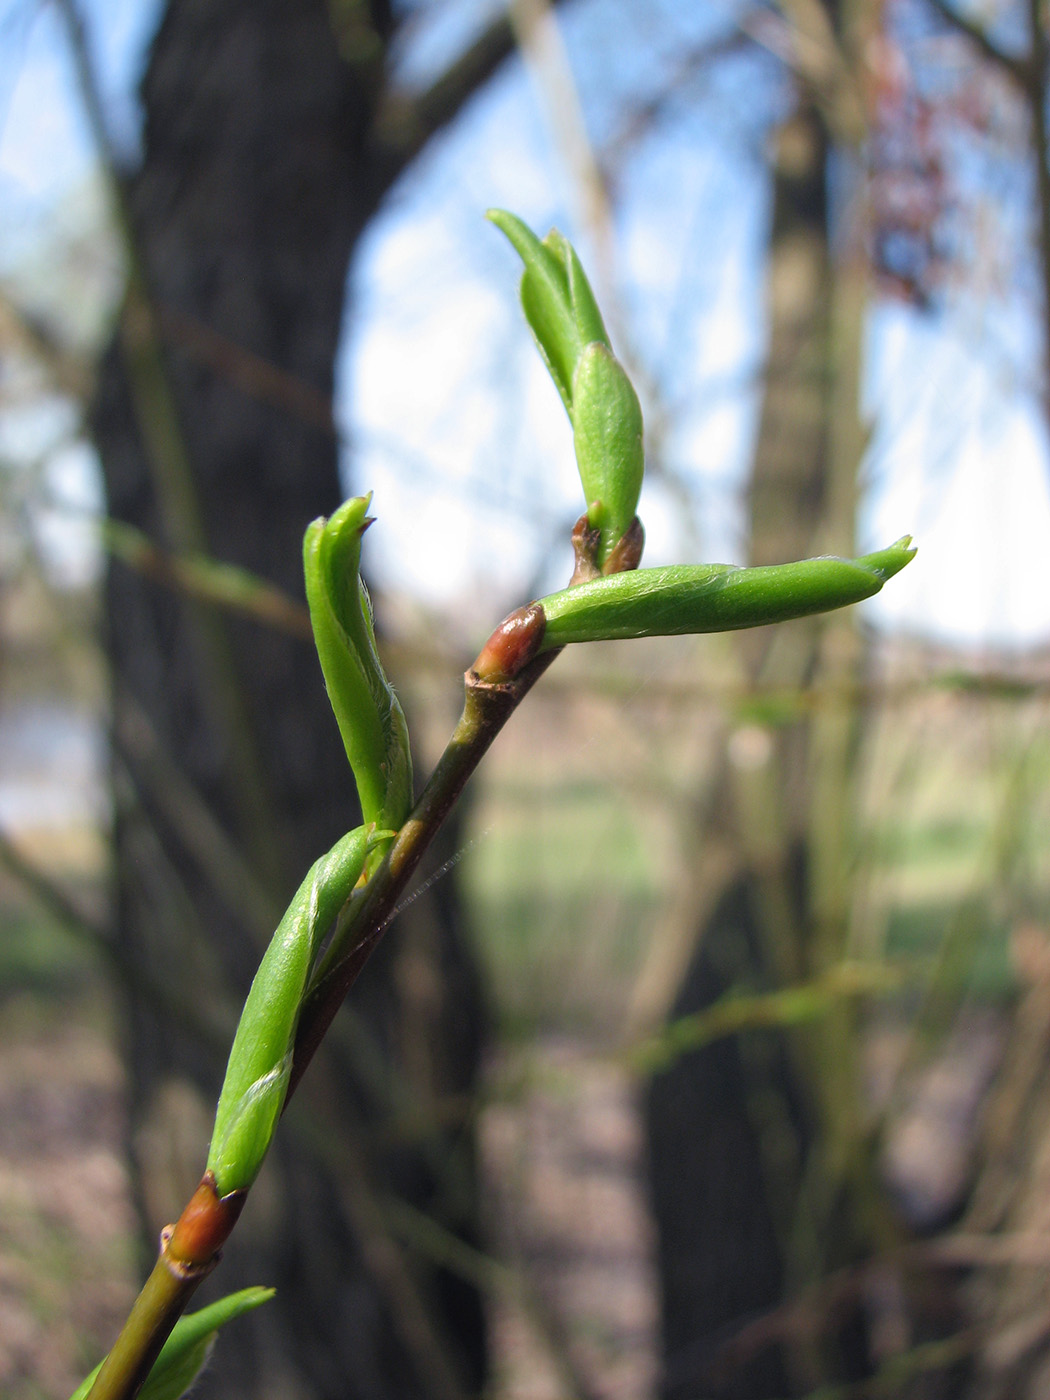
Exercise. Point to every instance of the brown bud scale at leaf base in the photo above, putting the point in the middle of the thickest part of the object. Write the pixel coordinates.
(585, 542)
(626, 554)
(205, 1224)
(512, 645)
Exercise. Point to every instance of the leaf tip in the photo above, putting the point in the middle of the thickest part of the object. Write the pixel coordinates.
(887, 562)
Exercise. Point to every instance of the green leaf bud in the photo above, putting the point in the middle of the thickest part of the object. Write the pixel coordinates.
(607, 435)
(260, 1061)
(248, 1122)
(556, 298)
(686, 598)
(367, 710)
(185, 1353)
(603, 408)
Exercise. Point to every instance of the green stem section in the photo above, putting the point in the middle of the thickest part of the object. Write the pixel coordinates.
(150, 1322)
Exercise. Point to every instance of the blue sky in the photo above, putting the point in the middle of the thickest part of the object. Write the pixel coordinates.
(434, 341)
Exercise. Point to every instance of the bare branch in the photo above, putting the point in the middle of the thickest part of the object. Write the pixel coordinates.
(1019, 68)
(405, 123)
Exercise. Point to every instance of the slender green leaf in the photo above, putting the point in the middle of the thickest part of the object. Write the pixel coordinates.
(370, 718)
(607, 435)
(257, 1074)
(546, 302)
(186, 1350)
(687, 598)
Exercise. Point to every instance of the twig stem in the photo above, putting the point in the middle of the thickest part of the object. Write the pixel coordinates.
(486, 709)
(153, 1315)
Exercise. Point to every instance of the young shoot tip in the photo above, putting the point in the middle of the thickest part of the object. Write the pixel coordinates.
(887, 562)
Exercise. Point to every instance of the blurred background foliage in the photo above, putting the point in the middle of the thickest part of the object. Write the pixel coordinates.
(708, 1061)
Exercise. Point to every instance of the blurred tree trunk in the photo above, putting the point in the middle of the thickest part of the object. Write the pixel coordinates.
(1006, 1289)
(753, 1140)
(262, 165)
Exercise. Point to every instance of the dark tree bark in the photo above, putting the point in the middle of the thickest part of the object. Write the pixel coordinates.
(720, 1253)
(261, 168)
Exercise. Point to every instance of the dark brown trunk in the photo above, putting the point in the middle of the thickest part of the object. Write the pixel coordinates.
(258, 175)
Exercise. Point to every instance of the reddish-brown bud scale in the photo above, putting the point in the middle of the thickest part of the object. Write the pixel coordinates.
(205, 1225)
(626, 554)
(512, 646)
(585, 543)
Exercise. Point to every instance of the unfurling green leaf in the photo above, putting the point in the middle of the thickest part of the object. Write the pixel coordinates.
(367, 711)
(260, 1061)
(607, 434)
(556, 298)
(686, 598)
(603, 408)
(186, 1351)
